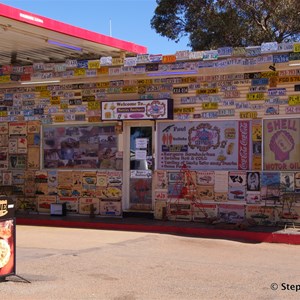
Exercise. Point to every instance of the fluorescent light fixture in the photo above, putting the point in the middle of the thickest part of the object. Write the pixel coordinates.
(64, 45)
(294, 64)
(40, 82)
(174, 73)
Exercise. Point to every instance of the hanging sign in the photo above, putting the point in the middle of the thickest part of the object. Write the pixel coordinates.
(137, 110)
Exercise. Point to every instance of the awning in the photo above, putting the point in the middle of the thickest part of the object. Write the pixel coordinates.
(26, 38)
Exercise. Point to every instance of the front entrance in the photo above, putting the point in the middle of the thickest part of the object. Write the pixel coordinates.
(139, 167)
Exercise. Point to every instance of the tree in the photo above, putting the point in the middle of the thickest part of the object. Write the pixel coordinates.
(211, 24)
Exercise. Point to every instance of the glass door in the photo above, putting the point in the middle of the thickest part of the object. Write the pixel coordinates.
(140, 168)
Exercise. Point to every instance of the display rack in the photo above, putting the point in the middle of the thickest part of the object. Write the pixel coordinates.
(184, 197)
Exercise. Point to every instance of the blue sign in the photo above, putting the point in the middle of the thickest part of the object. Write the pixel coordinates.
(260, 81)
(280, 58)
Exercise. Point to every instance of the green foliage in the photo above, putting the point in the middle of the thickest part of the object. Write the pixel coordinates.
(210, 24)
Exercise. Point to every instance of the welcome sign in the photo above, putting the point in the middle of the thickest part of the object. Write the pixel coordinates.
(137, 110)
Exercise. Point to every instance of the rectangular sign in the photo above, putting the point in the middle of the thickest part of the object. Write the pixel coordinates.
(294, 100)
(292, 110)
(248, 114)
(281, 144)
(210, 105)
(137, 110)
(255, 96)
(209, 145)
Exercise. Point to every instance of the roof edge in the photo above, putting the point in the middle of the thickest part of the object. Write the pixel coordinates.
(64, 28)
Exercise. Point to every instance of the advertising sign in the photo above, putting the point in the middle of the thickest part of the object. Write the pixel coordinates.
(215, 145)
(231, 213)
(281, 144)
(137, 110)
(7, 237)
(79, 147)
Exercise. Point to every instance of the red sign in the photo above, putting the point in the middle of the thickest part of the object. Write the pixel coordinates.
(244, 140)
(7, 237)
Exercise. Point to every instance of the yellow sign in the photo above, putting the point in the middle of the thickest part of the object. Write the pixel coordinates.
(248, 114)
(5, 78)
(184, 110)
(285, 79)
(294, 100)
(129, 89)
(296, 47)
(210, 105)
(79, 72)
(256, 132)
(255, 96)
(256, 162)
(144, 81)
(94, 119)
(93, 105)
(40, 88)
(59, 119)
(55, 100)
(268, 74)
(117, 61)
(64, 105)
(189, 79)
(94, 64)
(45, 94)
(239, 51)
(207, 91)
(102, 85)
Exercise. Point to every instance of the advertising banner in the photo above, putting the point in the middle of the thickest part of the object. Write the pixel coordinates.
(281, 144)
(7, 237)
(214, 145)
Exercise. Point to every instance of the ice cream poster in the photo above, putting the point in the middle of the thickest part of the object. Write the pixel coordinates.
(282, 144)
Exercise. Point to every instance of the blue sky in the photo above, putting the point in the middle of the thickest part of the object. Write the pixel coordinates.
(129, 19)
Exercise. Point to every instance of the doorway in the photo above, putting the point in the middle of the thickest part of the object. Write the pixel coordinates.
(139, 167)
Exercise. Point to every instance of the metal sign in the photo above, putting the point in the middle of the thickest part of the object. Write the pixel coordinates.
(7, 237)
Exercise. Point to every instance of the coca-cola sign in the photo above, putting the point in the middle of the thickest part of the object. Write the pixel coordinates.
(243, 154)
